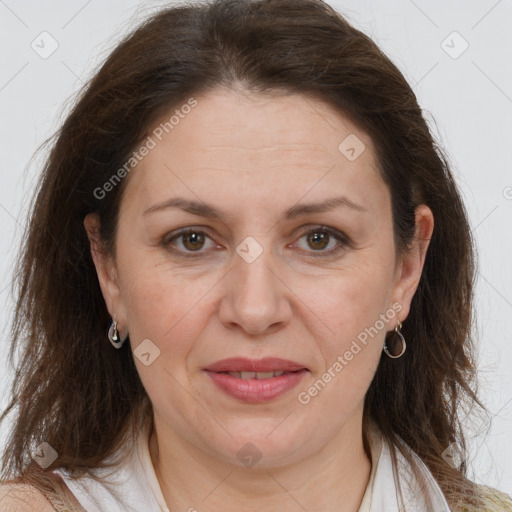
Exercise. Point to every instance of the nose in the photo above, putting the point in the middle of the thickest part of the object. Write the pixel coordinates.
(256, 298)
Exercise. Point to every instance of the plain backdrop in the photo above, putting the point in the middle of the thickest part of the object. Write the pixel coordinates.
(455, 54)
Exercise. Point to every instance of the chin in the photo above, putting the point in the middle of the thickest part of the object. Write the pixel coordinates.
(264, 443)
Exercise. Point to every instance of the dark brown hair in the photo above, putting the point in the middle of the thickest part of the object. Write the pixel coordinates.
(72, 389)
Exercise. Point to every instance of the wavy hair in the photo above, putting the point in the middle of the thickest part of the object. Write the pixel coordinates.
(76, 393)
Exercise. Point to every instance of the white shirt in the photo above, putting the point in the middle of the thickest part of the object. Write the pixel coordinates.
(135, 481)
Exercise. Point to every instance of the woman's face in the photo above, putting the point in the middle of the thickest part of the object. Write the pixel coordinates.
(265, 277)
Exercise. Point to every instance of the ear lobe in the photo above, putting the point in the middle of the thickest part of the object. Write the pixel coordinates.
(105, 268)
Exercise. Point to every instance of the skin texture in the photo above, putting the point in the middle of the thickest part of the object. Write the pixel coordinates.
(254, 157)
(16, 497)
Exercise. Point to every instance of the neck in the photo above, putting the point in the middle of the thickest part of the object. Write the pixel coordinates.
(333, 478)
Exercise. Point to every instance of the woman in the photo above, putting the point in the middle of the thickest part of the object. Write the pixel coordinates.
(247, 282)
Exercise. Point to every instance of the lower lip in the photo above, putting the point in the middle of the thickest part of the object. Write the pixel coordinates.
(254, 390)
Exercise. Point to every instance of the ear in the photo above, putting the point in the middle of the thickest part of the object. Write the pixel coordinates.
(107, 273)
(408, 273)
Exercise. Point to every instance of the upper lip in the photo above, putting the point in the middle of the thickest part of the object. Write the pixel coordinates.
(243, 364)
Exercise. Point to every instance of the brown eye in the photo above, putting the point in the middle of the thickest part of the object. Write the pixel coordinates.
(318, 240)
(193, 240)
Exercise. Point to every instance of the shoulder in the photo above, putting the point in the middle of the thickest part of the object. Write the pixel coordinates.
(495, 501)
(22, 497)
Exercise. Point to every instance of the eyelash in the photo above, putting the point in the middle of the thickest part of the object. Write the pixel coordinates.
(337, 235)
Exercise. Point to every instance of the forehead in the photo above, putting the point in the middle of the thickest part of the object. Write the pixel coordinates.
(259, 146)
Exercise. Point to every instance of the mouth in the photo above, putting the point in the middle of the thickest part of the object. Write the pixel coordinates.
(255, 381)
(245, 365)
(255, 375)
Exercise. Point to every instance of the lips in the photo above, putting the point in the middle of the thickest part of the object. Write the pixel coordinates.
(255, 380)
(267, 364)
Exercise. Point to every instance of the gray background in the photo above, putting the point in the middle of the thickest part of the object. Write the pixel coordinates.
(466, 97)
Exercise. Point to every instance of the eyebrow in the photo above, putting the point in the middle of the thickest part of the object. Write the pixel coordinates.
(206, 210)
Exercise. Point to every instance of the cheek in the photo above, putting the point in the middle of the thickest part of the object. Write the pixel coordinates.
(164, 304)
(352, 348)
(356, 313)
(350, 301)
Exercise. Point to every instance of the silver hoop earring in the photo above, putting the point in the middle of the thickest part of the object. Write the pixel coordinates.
(396, 336)
(113, 335)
